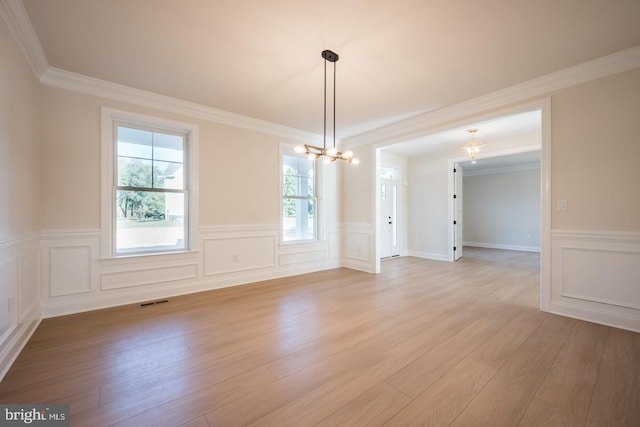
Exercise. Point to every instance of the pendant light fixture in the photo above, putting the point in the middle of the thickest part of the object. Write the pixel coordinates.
(473, 147)
(330, 154)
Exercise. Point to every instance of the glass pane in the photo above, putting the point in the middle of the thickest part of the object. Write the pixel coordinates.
(298, 219)
(133, 172)
(168, 175)
(149, 221)
(297, 176)
(136, 143)
(289, 183)
(168, 147)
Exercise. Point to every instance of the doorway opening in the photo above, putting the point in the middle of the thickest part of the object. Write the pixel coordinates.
(389, 218)
(429, 187)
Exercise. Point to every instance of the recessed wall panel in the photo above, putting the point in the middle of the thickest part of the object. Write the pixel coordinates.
(228, 255)
(70, 270)
(601, 276)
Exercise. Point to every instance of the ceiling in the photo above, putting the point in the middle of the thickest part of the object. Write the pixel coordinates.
(262, 58)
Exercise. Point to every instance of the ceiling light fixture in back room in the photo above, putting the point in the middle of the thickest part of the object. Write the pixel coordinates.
(330, 154)
(473, 147)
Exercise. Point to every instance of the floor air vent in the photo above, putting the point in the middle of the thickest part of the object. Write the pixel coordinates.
(147, 304)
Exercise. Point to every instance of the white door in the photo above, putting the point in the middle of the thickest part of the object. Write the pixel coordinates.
(389, 246)
(457, 209)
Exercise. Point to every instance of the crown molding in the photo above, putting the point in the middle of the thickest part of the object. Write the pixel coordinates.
(15, 16)
(67, 80)
(415, 126)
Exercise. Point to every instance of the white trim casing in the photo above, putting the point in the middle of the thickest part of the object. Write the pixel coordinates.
(107, 208)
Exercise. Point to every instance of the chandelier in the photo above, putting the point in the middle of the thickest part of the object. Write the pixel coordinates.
(473, 147)
(330, 154)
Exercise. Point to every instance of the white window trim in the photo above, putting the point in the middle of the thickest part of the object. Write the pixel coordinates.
(107, 172)
(289, 149)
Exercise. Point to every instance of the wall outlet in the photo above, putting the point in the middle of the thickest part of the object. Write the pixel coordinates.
(561, 205)
(234, 258)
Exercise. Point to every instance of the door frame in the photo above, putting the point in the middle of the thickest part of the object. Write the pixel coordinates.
(400, 163)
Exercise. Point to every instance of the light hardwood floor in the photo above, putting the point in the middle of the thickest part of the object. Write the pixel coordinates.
(423, 343)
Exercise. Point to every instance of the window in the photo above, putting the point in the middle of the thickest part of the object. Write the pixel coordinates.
(299, 201)
(146, 185)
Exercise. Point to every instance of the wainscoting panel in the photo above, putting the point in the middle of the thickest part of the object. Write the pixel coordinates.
(147, 276)
(69, 262)
(19, 296)
(8, 286)
(596, 277)
(75, 279)
(311, 255)
(233, 254)
(358, 247)
(70, 270)
(29, 285)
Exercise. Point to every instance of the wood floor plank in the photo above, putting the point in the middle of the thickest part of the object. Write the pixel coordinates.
(570, 381)
(174, 412)
(322, 401)
(616, 396)
(503, 401)
(371, 340)
(372, 408)
(623, 346)
(425, 370)
(256, 405)
(541, 414)
(196, 422)
(441, 403)
(500, 346)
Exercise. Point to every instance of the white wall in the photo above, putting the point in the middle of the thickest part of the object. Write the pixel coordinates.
(19, 200)
(501, 210)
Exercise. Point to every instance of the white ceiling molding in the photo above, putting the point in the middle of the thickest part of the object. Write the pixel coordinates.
(91, 86)
(15, 16)
(419, 125)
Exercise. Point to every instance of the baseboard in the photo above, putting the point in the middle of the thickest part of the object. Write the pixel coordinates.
(603, 317)
(429, 255)
(503, 247)
(14, 344)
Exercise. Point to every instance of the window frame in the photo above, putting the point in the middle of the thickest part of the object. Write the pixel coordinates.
(110, 119)
(288, 150)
